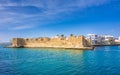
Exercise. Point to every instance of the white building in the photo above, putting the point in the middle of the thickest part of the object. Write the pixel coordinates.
(117, 41)
(119, 38)
(101, 40)
(93, 38)
(109, 39)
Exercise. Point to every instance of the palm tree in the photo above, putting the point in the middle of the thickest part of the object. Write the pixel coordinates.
(71, 35)
(62, 35)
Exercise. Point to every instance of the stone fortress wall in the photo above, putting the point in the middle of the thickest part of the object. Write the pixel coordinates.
(56, 42)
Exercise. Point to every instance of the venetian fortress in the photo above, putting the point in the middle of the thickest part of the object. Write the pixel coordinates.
(71, 42)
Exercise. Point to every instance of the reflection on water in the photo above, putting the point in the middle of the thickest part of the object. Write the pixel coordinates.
(107, 48)
(55, 61)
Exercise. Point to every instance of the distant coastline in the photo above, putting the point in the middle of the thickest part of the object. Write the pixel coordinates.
(61, 42)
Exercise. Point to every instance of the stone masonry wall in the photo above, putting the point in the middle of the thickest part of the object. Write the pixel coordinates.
(70, 42)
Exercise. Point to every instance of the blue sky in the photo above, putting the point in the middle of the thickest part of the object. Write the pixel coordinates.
(37, 18)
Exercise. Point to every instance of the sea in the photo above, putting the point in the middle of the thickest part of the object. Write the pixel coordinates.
(104, 60)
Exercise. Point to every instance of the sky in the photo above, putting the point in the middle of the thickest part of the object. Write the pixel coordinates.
(47, 18)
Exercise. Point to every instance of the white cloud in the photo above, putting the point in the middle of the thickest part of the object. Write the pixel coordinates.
(52, 10)
(22, 27)
(54, 4)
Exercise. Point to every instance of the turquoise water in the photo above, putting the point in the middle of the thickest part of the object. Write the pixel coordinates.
(34, 61)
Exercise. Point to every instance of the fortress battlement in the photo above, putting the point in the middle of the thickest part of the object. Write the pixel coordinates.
(72, 42)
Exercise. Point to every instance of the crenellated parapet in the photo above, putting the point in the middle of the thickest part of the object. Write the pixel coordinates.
(56, 42)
